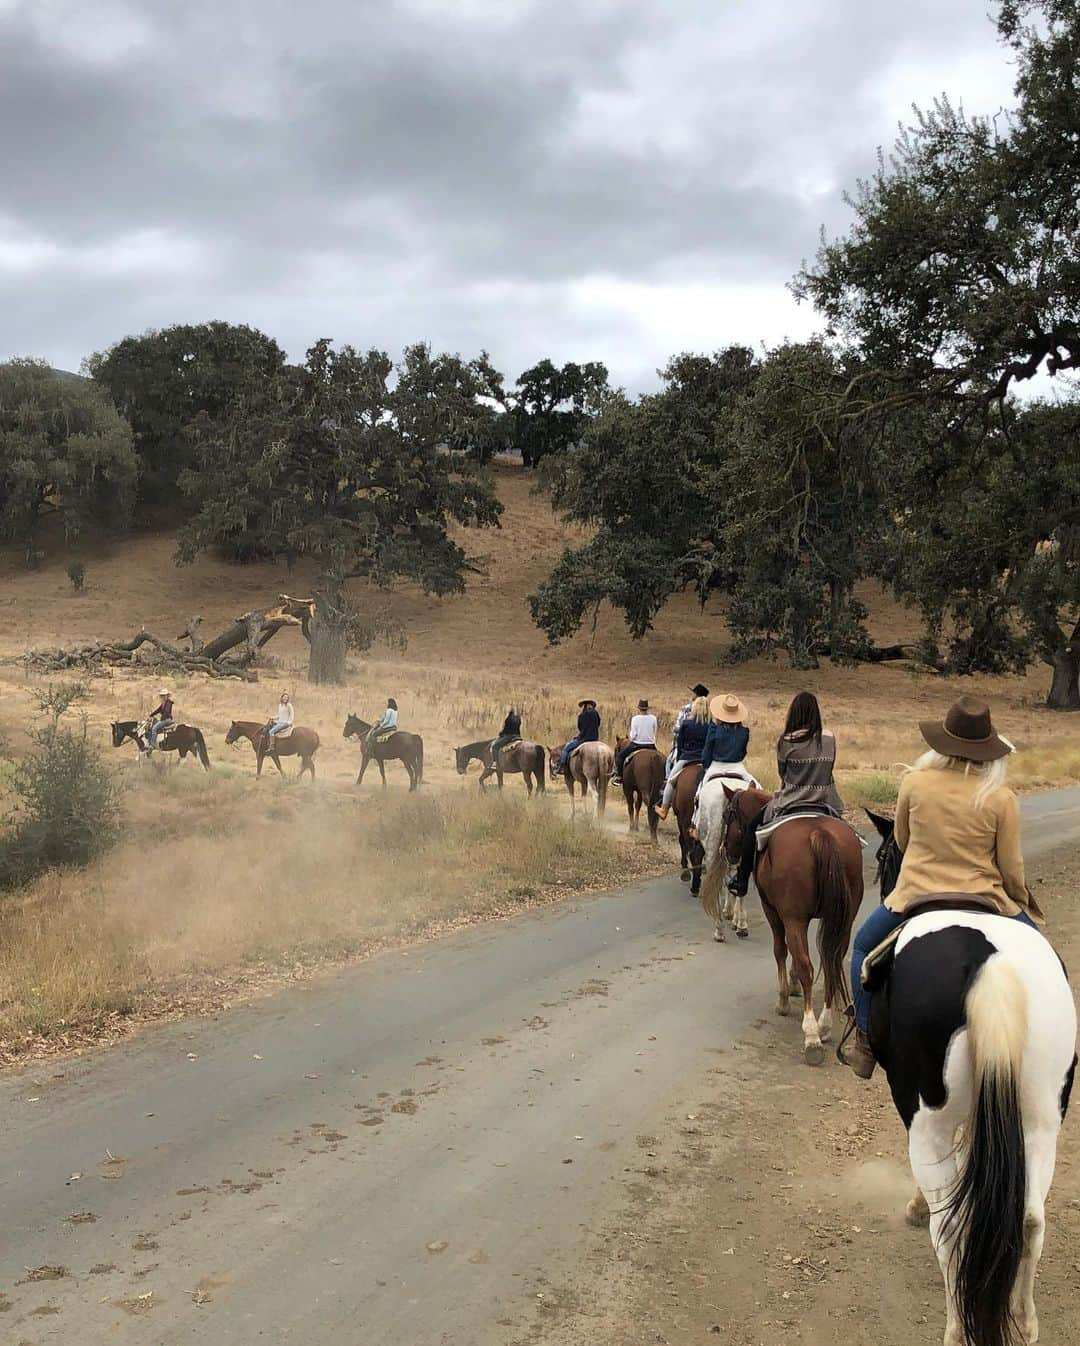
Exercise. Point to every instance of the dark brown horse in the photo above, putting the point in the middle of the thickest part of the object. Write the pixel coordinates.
(522, 756)
(408, 749)
(642, 783)
(812, 867)
(302, 743)
(690, 848)
(181, 738)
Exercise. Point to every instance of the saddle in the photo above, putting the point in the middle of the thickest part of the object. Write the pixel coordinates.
(512, 744)
(878, 962)
(382, 735)
(809, 811)
(638, 747)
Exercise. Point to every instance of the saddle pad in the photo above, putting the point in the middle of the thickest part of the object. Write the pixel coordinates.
(640, 747)
(764, 833)
(284, 733)
(512, 744)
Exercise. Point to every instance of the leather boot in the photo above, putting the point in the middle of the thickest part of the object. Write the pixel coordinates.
(859, 1055)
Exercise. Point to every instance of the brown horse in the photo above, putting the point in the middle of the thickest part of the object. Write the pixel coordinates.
(408, 749)
(302, 743)
(812, 867)
(591, 764)
(181, 738)
(522, 756)
(691, 851)
(642, 783)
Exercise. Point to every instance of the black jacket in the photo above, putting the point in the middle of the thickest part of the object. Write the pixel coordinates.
(511, 725)
(690, 743)
(588, 726)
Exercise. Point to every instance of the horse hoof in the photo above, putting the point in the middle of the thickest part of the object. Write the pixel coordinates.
(685, 876)
(813, 1053)
(783, 1011)
(718, 935)
(917, 1212)
(742, 934)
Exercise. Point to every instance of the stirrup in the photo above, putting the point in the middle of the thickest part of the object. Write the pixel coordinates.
(849, 1015)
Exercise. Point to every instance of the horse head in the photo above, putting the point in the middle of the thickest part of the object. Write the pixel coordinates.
(554, 758)
(737, 815)
(462, 758)
(120, 732)
(233, 734)
(888, 856)
(354, 727)
(621, 742)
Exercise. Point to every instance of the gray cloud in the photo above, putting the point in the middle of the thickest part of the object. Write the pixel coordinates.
(611, 179)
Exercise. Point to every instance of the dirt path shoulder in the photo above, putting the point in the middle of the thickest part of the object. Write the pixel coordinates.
(771, 1208)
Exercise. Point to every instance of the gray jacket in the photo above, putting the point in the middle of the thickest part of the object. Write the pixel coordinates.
(806, 777)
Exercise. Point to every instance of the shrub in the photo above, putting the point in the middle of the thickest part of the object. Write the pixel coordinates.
(76, 573)
(67, 811)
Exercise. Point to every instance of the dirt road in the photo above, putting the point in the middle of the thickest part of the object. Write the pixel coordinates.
(468, 1142)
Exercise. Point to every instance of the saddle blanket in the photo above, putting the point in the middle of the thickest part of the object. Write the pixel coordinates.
(384, 734)
(639, 747)
(512, 744)
(764, 833)
(736, 777)
(285, 733)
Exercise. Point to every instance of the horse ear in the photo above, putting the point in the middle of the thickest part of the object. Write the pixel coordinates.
(885, 826)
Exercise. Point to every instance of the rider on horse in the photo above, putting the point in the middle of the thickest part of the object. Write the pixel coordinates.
(509, 733)
(958, 825)
(805, 757)
(689, 746)
(160, 718)
(386, 726)
(282, 720)
(642, 735)
(588, 730)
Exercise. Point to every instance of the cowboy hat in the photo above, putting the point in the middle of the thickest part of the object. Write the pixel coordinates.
(728, 709)
(643, 704)
(967, 731)
(587, 702)
(163, 691)
(699, 689)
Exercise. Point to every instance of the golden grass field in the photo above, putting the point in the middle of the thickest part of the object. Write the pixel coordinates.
(223, 877)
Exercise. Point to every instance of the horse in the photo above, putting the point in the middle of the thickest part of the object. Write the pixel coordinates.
(719, 904)
(408, 749)
(642, 783)
(691, 852)
(590, 764)
(976, 1029)
(522, 756)
(302, 743)
(182, 738)
(812, 867)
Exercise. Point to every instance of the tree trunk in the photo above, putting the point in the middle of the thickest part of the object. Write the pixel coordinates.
(329, 631)
(1064, 658)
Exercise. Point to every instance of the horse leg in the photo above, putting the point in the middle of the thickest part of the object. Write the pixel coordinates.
(277, 762)
(934, 1164)
(258, 762)
(1040, 1149)
(779, 944)
(382, 770)
(363, 767)
(813, 1051)
(794, 985)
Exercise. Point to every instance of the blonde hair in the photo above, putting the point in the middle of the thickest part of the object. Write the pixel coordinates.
(699, 710)
(991, 775)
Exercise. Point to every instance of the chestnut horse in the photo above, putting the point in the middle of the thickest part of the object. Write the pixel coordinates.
(182, 738)
(642, 783)
(691, 850)
(408, 749)
(812, 867)
(302, 743)
(591, 764)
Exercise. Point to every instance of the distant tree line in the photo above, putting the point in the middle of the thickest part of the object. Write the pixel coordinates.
(892, 448)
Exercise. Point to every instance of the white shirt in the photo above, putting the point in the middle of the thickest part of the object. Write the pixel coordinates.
(284, 713)
(643, 729)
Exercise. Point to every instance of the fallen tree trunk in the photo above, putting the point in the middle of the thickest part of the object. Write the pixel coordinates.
(125, 652)
(881, 654)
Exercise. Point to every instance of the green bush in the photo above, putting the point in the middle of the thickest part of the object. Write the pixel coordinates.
(874, 787)
(67, 811)
(76, 573)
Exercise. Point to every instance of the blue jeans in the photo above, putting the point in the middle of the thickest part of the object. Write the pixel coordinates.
(157, 729)
(574, 743)
(276, 729)
(880, 923)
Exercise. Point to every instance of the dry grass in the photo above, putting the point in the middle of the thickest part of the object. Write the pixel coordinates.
(222, 885)
(243, 874)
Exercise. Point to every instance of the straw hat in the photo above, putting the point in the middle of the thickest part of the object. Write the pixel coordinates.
(587, 702)
(728, 709)
(163, 691)
(967, 731)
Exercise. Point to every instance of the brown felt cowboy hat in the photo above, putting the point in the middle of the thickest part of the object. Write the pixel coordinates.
(967, 731)
(643, 704)
(728, 709)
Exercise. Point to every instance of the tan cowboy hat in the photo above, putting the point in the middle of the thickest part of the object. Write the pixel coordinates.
(587, 702)
(967, 731)
(163, 691)
(728, 709)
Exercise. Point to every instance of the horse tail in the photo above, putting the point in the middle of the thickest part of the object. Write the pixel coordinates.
(834, 911)
(985, 1213)
(419, 759)
(540, 768)
(714, 864)
(200, 748)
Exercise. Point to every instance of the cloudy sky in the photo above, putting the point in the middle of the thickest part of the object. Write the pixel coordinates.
(585, 179)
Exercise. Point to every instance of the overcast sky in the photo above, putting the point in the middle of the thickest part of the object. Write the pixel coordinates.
(584, 179)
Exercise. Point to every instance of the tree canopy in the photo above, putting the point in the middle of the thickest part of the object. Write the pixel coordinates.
(63, 448)
(551, 407)
(338, 461)
(177, 383)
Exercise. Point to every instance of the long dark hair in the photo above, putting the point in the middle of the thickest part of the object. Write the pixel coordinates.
(803, 717)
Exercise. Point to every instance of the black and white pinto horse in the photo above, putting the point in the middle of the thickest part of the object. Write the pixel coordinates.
(976, 1029)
